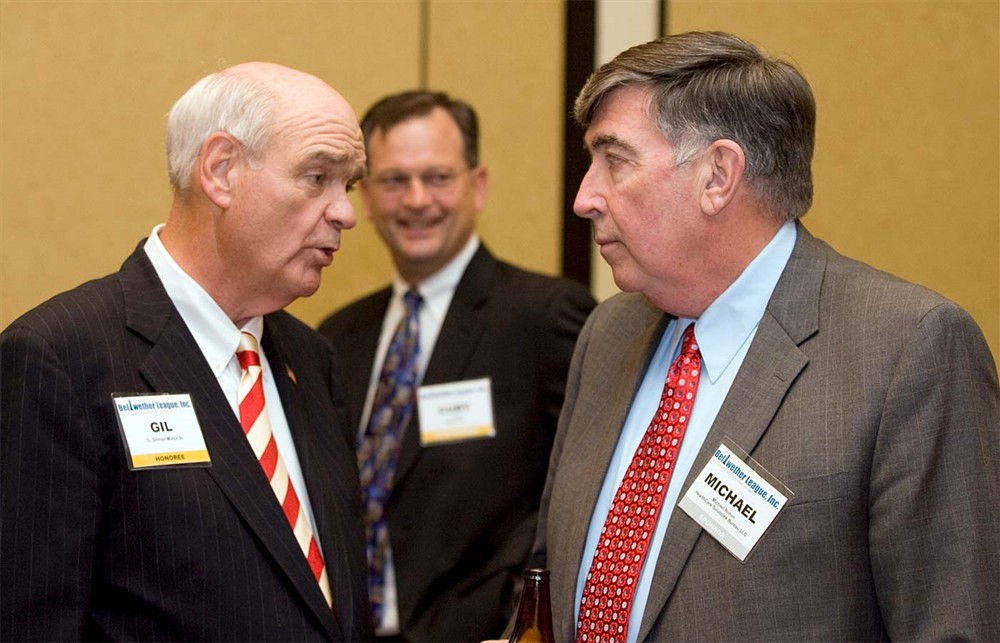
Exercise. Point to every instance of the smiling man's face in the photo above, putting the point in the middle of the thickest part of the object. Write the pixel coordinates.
(421, 194)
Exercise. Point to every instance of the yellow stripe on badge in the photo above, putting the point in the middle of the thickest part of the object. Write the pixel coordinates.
(456, 435)
(169, 459)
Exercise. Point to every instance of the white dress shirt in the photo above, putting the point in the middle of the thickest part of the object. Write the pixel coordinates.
(218, 339)
(724, 333)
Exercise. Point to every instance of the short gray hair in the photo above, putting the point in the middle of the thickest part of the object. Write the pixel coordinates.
(223, 101)
(708, 86)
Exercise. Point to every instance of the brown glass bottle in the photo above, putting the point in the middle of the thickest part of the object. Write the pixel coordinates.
(534, 612)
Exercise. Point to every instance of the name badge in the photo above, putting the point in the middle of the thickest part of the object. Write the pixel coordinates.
(455, 412)
(735, 499)
(160, 431)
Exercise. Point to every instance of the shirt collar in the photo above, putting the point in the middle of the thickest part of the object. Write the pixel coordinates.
(214, 332)
(730, 321)
(437, 289)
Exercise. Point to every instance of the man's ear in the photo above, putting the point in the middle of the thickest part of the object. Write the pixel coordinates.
(725, 163)
(217, 168)
(480, 187)
(365, 190)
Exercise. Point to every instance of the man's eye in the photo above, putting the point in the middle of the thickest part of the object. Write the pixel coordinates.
(438, 179)
(316, 179)
(394, 182)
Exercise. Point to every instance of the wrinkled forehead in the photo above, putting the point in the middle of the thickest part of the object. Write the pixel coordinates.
(321, 118)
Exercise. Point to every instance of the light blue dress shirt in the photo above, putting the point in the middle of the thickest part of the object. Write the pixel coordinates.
(724, 333)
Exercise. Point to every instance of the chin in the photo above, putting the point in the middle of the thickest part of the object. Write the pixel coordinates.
(308, 290)
(624, 283)
(306, 286)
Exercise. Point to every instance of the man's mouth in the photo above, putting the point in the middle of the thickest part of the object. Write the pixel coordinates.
(327, 252)
(419, 224)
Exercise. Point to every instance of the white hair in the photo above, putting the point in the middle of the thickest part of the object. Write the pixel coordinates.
(223, 101)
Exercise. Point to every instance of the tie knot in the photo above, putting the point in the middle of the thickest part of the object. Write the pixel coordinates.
(246, 353)
(412, 299)
(689, 346)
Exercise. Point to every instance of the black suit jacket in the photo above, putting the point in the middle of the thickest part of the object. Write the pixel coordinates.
(93, 550)
(462, 516)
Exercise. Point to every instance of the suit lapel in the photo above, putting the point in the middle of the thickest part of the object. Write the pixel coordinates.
(175, 364)
(772, 363)
(632, 343)
(461, 332)
(358, 348)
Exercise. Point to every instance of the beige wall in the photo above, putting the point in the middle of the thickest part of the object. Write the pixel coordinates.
(84, 87)
(906, 162)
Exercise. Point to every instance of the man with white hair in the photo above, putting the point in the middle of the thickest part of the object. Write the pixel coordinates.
(177, 462)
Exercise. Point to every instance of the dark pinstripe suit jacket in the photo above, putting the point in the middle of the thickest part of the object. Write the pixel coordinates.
(93, 550)
(876, 402)
(462, 516)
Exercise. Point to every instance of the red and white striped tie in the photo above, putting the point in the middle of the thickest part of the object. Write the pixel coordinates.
(253, 417)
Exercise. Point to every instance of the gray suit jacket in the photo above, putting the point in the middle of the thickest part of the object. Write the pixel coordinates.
(876, 402)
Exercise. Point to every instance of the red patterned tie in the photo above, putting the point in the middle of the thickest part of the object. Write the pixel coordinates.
(253, 417)
(628, 529)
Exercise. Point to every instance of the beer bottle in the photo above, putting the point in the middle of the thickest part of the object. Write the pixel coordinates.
(534, 612)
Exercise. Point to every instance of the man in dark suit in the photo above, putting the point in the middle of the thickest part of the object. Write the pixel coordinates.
(125, 514)
(823, 459)
(451, 511)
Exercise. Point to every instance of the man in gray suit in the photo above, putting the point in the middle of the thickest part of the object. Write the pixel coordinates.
(823, 461)
(176, 458)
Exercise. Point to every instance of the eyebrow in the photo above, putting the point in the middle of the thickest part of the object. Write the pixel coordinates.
(393, 171)
(327, 158)
(610, 140)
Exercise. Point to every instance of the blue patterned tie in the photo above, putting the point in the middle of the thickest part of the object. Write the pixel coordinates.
(378, 449)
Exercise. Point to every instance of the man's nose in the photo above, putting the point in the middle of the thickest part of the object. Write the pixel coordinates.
(340, 212)
(588, 202)
(417, 194)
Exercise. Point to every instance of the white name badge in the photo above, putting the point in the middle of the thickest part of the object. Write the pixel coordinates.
(455, 412)
(160, 431)
(735, 499)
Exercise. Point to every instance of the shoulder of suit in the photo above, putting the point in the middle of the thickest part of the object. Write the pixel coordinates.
(539, 283)
(858, 281)
(96, 303)
(853, 299)
(624, 312)
(366, 310)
